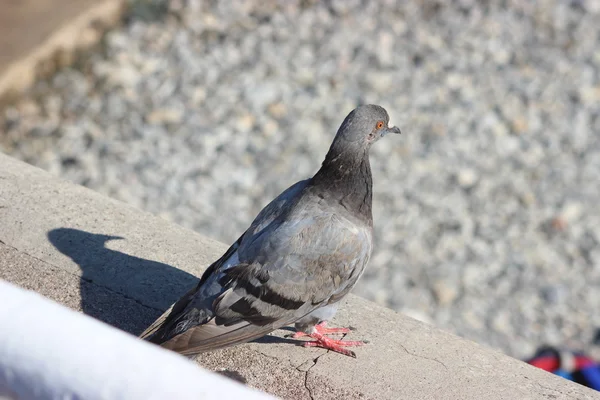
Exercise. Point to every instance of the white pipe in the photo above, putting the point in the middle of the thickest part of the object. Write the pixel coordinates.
(50, 352)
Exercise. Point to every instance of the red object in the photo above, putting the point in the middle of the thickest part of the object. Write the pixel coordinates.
(547, 363)
(552, 363)
(583, 362)
(332, 344)
(327, 343)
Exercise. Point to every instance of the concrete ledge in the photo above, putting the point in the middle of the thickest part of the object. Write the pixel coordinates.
(59, 240)
(39, 36)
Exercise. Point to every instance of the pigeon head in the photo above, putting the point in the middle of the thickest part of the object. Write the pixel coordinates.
(364, 126)
(345, 173)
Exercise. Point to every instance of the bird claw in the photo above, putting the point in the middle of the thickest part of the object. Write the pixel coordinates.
(332, 344)
(320, 340)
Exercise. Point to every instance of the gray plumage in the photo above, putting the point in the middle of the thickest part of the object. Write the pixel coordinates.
(300, 256)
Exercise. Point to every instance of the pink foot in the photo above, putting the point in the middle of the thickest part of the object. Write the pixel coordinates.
(323, 341)
(321, 328)
(332, 344)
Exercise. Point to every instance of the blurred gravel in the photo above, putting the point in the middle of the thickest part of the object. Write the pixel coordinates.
(486, 208)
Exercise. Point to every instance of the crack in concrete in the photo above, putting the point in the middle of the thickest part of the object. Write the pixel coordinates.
(314, 362)
(300, 368)
(423, 357)
(306, 386)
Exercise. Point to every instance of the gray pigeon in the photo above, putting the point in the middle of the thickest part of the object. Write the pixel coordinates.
(300, 256)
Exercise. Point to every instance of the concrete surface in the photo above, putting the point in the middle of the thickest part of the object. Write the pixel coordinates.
(37, 36)
(55, 240)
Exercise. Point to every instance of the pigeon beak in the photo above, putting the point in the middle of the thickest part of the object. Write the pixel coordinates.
(393, 129)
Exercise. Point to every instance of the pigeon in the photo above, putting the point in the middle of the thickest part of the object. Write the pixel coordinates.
(300, 256)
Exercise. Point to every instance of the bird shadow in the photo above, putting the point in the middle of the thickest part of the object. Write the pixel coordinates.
(122, 290)
(287, 338)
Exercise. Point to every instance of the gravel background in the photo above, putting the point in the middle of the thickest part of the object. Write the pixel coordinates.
(486, 208)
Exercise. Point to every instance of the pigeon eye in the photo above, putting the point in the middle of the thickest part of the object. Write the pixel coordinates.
(379, 125)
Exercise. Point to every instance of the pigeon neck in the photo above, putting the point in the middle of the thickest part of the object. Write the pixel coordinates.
(347, 178)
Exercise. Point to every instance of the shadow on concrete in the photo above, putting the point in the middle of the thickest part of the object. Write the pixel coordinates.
(269, 339)
(124, 291)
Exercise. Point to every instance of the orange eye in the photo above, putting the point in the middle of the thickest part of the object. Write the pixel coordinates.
(380, 125)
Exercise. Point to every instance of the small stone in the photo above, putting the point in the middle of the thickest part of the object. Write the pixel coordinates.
(473, 320)
(454, 81)
(502, 56)
(527, 198)
(270, 128)
(380, 81)
(386, 49)
(590, 95)
(559, 224)
(198, 96)
(553, 294)
(445, 293)
(262, 95)
(519, 125)
(501, 322)
(467, 178)
(165, 116)
(245, 122)
(126, 76)
(277, 110)
(28, 108)
(571, 211)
